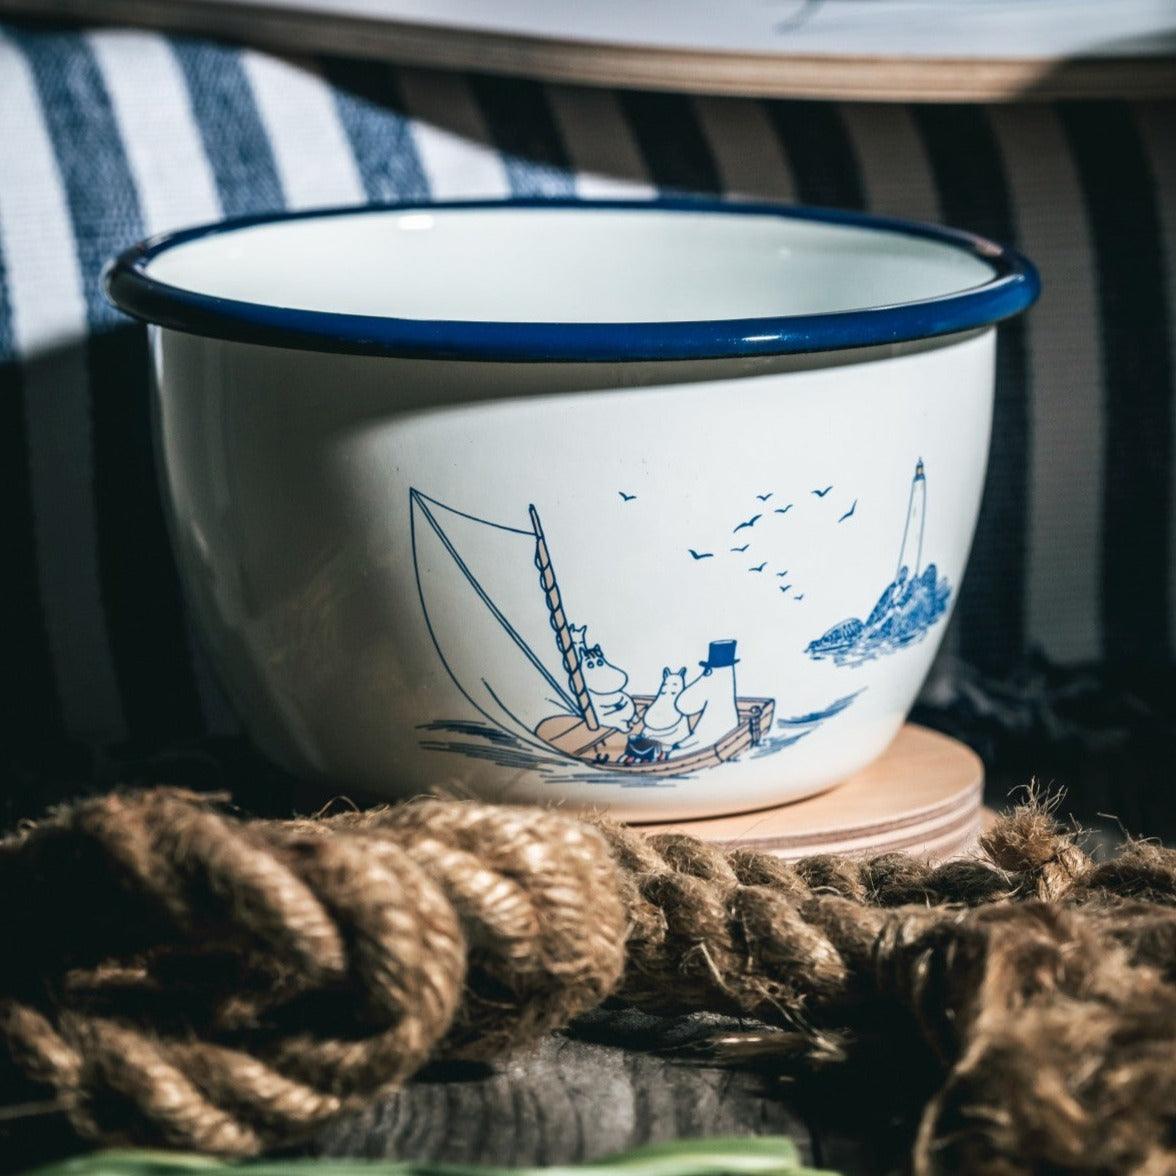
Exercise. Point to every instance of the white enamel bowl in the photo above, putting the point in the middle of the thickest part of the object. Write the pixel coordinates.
(660, 508)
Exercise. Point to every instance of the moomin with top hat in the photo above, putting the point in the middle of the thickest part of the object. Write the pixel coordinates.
(540, 678)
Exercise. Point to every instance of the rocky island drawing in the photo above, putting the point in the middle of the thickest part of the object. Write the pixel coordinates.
(908, 606)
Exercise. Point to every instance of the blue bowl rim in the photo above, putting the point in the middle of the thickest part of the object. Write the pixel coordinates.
(1014, 286)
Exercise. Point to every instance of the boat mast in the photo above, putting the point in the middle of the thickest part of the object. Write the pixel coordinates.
(559, 622)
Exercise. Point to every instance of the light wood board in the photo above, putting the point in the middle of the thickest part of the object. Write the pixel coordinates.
(922, 796)
(703, 49)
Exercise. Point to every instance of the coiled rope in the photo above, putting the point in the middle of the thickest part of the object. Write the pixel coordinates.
(179, 976)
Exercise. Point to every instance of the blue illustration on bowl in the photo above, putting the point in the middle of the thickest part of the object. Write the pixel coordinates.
(908, 607)
(789, 731)
(495, 612)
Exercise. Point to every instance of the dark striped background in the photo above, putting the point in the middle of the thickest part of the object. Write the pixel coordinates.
(30, 706)
(160, 694)
(367, 97)
(140, 590)
(1121, 201)
(973, 191)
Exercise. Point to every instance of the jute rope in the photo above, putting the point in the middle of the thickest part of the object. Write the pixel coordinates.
(178, 976)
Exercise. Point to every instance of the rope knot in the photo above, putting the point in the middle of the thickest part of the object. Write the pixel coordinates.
(193, 979)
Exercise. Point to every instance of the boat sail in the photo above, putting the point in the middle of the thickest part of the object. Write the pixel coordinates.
(489, 621)
(495, 613)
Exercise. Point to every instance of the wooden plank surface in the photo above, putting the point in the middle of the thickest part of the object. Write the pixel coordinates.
(850, 77)
(619, 1079)
(573, 1098)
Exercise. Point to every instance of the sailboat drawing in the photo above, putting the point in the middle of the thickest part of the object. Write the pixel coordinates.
(495, 612)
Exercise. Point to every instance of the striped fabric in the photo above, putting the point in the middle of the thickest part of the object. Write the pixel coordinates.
(107, 136)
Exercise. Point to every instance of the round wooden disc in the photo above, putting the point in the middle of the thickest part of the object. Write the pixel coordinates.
(922, 795)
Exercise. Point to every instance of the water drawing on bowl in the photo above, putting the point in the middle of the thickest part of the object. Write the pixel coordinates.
(555, 701)
(908, 607)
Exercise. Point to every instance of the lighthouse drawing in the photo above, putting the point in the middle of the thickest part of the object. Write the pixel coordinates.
(909, 605)
(910, 554)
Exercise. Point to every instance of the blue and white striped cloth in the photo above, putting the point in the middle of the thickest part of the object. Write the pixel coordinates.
(108, 136)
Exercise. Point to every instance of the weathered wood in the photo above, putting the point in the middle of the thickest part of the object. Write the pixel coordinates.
(574, 1097)
(854, 77)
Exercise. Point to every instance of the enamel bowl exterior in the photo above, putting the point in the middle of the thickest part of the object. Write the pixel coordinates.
(670, 589)
(661, 508)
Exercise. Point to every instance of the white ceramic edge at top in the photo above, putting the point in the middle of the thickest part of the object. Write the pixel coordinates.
(350, 496)
(1012, 286)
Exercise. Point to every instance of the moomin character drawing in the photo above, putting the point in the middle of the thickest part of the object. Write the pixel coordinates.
(710, 702)
(605, 682)
(495, 612)
(664, 722)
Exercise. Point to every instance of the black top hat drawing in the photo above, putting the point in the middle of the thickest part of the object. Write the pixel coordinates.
(721, 655)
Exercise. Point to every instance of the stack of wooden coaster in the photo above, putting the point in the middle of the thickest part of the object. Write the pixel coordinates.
(923, 795)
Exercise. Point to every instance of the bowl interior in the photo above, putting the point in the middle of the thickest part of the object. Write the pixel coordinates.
(567, 265)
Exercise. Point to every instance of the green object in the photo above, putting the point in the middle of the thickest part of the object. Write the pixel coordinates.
(762, 1155)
